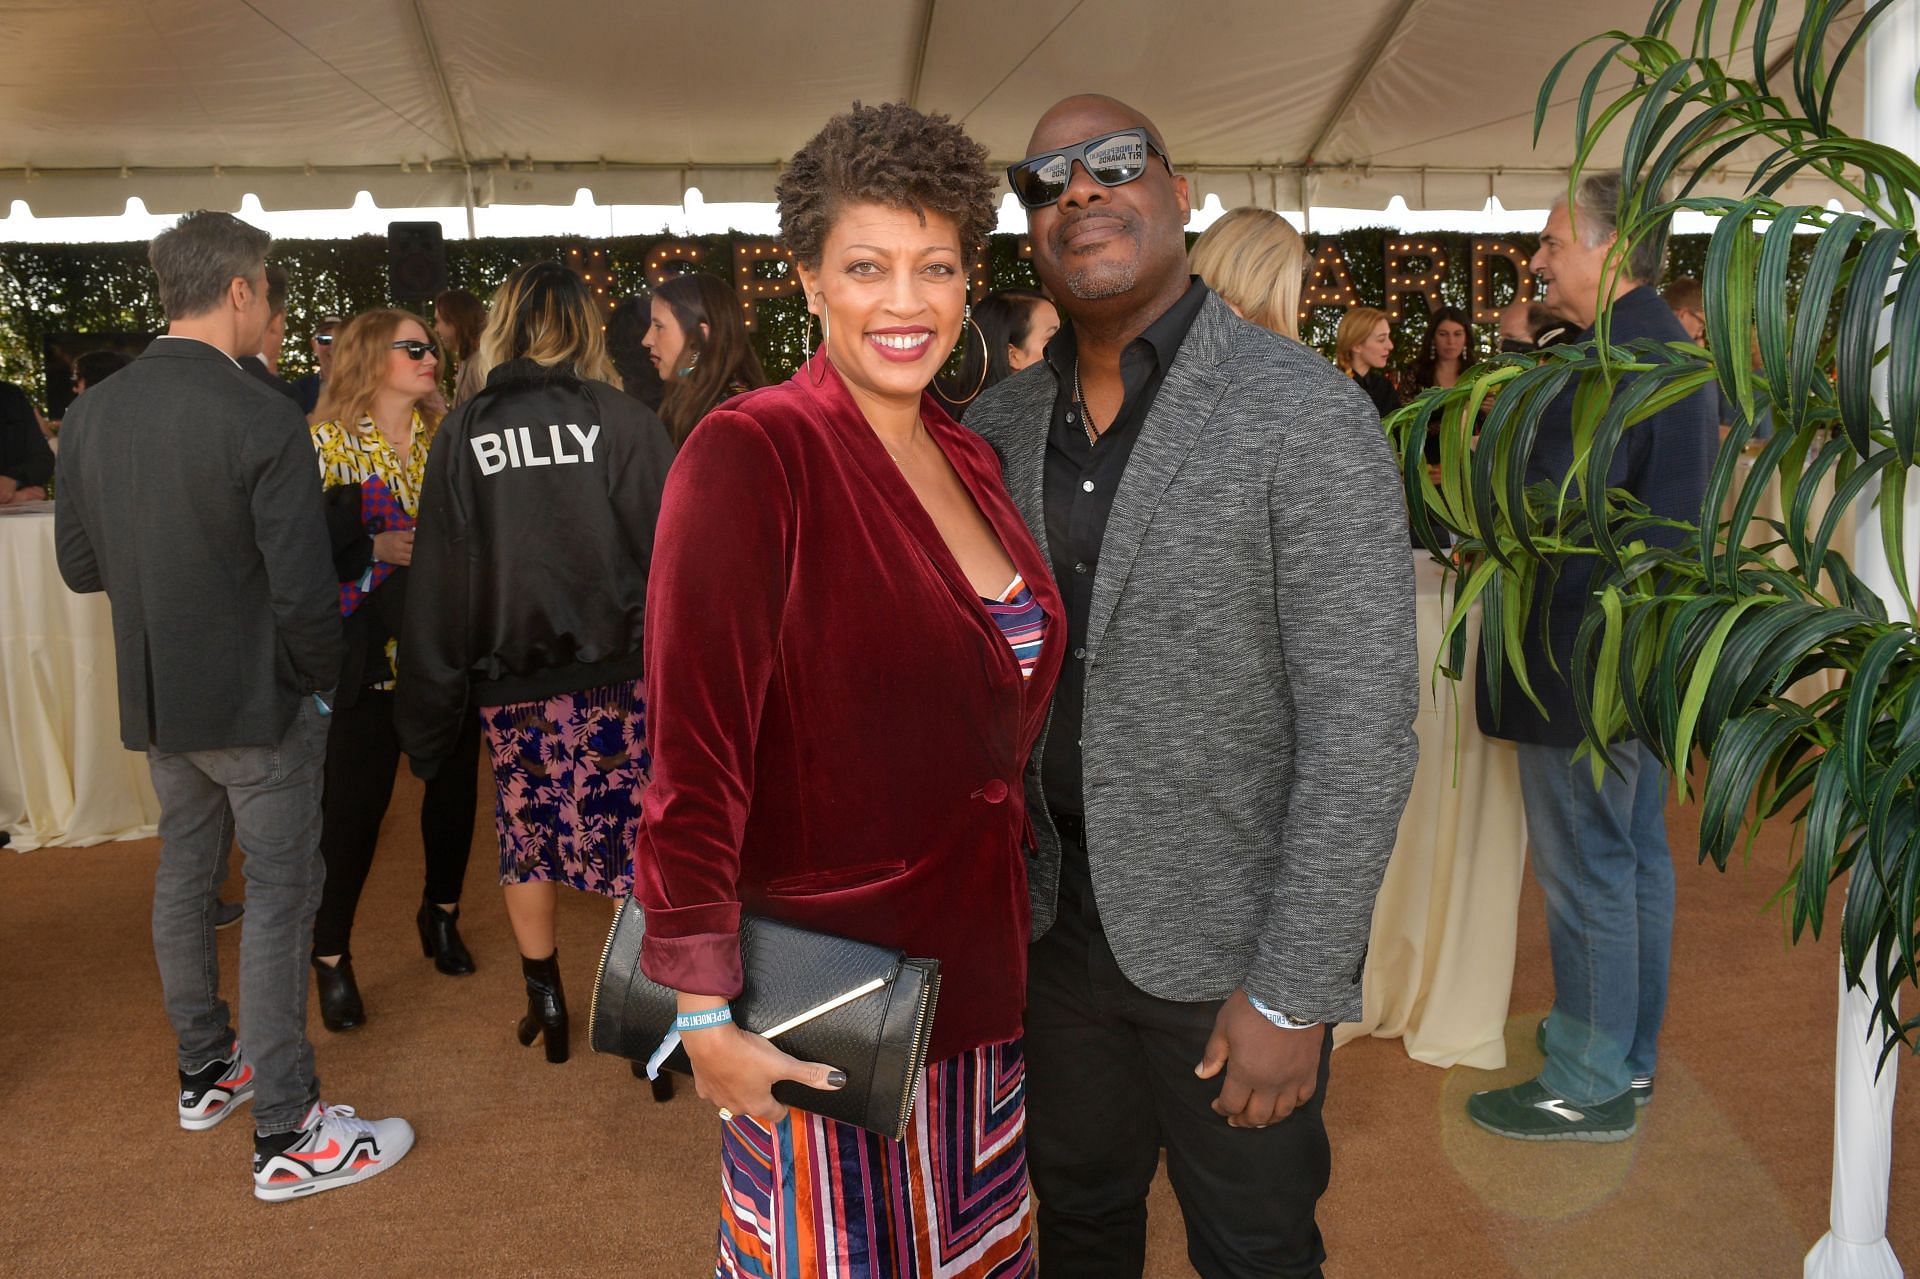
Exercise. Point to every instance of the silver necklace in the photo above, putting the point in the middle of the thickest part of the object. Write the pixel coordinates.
(912, 439)
(1086, 417)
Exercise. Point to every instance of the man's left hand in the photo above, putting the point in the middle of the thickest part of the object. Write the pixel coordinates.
(1269, 1071)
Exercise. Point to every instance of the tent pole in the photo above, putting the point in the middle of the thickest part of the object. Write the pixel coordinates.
(1360, 77)
(1855, 1245)
(920, 56)
(439, 70)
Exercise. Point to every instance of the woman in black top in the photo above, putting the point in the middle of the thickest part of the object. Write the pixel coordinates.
(1361, 351)
(699, 344)
(1446, 352)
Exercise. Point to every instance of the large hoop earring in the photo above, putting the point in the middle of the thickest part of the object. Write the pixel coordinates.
(822, 350)
(985, 357)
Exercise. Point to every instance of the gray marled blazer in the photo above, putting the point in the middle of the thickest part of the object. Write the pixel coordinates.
(1253, 672)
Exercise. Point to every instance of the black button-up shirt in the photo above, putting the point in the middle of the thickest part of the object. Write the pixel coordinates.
(1081, 478)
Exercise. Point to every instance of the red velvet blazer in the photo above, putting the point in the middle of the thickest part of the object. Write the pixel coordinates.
(838, 728)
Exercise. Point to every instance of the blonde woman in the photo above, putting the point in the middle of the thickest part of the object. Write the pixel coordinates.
(377, 424)
(536, 529)
(1255, 261)
(1361, 351)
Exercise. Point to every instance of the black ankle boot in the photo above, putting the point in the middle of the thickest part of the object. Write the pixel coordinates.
(340, 1006)
(440, 939)
(662, 1086)
(546, 1005)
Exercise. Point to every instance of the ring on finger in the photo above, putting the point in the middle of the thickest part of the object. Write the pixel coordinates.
(726, 1116)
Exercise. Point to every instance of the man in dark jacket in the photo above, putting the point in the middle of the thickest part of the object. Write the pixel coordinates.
(265, 366)
(189, 494)
(1600, 852)
(26, 461)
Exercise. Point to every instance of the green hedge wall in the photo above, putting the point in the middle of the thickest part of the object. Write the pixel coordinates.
(100, 288)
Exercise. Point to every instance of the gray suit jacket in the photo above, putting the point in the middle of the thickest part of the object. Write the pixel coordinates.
(189, 493)
(1252, 672)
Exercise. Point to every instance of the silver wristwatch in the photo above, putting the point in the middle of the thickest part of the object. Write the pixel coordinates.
(1279, 1018)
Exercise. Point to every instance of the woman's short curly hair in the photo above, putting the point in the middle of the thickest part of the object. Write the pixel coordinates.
(889, 154)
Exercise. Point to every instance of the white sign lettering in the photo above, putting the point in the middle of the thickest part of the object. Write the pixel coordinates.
(520, 447)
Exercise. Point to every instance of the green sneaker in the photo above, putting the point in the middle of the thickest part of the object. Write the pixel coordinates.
(1528, 1112)
(1641, 1087)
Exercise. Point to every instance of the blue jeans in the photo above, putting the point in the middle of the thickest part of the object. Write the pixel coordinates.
(1601, 856)
(269, 796)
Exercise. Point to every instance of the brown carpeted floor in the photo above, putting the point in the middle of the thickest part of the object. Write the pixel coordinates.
(528, 1169)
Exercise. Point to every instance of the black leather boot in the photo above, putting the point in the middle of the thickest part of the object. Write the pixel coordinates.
(546, 1005)
(662, 1087)
(440, 939)
(340, 1006)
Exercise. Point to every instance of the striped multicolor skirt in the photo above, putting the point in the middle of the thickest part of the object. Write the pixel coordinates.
(812, 1198)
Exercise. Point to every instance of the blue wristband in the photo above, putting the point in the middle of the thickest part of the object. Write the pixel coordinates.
(705, 1019)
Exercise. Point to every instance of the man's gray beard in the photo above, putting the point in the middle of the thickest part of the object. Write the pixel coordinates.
(1105, 281)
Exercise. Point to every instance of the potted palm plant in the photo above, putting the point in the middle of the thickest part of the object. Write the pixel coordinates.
(1693, 647)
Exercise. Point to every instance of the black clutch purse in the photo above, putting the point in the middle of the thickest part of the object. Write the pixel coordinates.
(863, 1009)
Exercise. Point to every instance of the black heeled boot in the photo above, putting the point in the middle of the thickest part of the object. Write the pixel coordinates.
(546, 1005)
(662, 1087)
(340, 1006)
(440, 939)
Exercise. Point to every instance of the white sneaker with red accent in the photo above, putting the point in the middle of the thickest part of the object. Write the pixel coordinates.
(333, 1147)
(209, 1094)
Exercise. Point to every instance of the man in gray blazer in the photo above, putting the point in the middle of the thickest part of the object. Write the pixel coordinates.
(189, 493)
(1221, 780)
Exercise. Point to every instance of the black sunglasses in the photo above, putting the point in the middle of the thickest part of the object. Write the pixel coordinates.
(1112, 160)
(416, 351)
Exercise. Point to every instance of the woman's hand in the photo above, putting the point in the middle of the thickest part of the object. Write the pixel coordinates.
(394, 548)
(736, 1071)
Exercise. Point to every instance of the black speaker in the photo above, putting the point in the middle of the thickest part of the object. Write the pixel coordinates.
(416, 261)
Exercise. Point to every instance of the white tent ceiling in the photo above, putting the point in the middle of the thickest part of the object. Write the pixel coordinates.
(305, 103)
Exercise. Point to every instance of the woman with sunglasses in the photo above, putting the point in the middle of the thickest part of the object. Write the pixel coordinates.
(852, 641)
(372, 446)
(530, 585)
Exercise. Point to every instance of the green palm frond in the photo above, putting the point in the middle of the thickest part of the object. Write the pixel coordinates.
(1697, 632)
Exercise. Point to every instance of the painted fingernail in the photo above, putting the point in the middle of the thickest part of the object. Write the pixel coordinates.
(836, 1079)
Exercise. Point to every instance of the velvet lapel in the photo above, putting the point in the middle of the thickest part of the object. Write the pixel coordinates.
(1188, 396)
(844, 420)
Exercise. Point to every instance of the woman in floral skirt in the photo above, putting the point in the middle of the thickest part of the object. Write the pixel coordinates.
(530, 584)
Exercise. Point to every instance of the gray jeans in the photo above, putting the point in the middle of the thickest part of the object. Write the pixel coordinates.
(270, 797)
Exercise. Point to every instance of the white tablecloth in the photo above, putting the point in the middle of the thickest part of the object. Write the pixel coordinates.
(1440, 966)
(64, 777)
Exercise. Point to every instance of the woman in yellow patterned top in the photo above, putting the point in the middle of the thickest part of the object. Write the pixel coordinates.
(376, 424)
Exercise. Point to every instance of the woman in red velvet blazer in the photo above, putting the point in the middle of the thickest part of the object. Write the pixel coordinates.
(851, 643)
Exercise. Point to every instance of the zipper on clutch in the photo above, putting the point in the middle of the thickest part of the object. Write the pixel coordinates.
(600, 975)
(918, 1062)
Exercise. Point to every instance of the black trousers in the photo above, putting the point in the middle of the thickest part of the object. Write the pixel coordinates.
(1110, 1082)
(363, 754)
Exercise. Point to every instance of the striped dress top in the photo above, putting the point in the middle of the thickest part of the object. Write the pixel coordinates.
(1022, 620)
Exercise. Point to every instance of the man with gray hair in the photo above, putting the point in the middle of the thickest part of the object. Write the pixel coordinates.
(1600, 852)
(188, 493)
